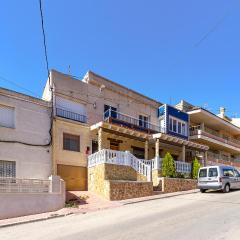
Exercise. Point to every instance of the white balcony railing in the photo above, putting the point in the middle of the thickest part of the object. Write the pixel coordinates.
(142, 166)
(131, 122)
(120, 158)
(212, 134)
(16, 185)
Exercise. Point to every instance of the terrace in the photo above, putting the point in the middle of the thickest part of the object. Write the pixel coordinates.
(130, 122)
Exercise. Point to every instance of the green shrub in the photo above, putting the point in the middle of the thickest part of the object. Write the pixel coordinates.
(195, 167)
(168, 166)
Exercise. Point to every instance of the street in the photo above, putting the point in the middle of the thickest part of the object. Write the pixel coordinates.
(195, 216)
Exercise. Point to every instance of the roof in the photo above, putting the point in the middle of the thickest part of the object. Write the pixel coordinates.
(18, 95)
(224, 121)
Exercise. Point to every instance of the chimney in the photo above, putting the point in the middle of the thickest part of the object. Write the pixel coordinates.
(222, 112)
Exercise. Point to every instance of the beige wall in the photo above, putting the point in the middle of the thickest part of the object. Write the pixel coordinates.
(66, 157)
(89, 92)
(32, 124)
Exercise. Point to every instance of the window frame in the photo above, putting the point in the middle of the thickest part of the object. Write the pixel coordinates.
(10, 164)
(174, 124)
(71, 137)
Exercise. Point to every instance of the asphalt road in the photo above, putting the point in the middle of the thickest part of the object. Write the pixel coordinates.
(195, 216)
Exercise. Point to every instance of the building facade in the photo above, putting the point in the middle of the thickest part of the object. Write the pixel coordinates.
(94, 114)
(219, 132)
(25, 150)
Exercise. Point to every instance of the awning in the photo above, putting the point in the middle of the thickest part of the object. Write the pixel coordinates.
(172, 139)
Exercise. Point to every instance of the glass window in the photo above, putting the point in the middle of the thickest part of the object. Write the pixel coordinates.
(179, 127)
(228, 172)
(203, 173)
(174, 125)
(236, 173)
(184, 129)
(110, 111)
(171, 124)
(143, 121)
(71, 142)
(212, 172)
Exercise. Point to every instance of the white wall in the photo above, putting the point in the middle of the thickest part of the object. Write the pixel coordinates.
(32, 124)
(22, 204)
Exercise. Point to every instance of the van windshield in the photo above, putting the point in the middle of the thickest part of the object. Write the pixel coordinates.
(203, 172)
(212, 172)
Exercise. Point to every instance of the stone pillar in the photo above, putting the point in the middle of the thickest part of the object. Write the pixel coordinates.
(146, 150)
(205, 158)
(100, 139)
(202, 126)
(183, 153)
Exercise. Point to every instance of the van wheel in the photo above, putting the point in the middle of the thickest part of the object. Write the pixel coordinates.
(226, 188)
(203, 190)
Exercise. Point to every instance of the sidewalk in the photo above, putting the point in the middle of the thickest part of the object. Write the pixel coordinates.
(90, 203)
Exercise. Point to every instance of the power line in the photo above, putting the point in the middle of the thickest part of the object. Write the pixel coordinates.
(44, 39)
(19, 86)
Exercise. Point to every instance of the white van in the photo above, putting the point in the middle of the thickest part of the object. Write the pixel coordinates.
(221, 177)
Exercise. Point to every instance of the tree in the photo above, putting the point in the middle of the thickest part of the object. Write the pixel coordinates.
(168, 166)
(195, 167)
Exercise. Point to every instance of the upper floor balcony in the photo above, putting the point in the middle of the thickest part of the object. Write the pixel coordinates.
(71, 115)
(127, 121)
(213, 135)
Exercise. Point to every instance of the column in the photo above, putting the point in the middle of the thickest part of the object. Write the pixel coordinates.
(205, 158)
(157, 155)
(157, 145)
(146, 150)
(100, 139)
(183, 153)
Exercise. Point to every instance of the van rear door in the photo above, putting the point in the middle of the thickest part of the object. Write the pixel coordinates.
(213, 174)
(202, 176)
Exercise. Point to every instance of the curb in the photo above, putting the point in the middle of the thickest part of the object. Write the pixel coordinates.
(34, 220)
(166, 195)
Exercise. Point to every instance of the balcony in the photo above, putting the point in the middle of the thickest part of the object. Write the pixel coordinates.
(212, 156)
(212, 134)
(127, 121)
(71, 115)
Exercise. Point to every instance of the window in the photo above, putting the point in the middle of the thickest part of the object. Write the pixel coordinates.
(203, 173)
(171, 124)
(212, 172)
(184, 129)
(7, 169)
(177, 126)
(143, 121)
(174, 125)
(110, 111)
(236, 173)
(228, 172)
(6, 116)
(71, 142)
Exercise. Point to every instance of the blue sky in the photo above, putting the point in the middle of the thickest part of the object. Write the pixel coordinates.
(169, 50)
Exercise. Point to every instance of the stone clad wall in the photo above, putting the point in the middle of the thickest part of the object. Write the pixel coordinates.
(117, 182)
(120, 172)
(120, 190)
(169, 185)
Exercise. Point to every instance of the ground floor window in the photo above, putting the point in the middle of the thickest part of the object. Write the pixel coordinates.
(7, 168)
(71, 142)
